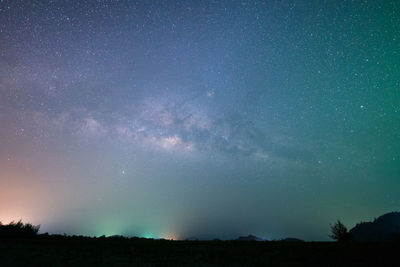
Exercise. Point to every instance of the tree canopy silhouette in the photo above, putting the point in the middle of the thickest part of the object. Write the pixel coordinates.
(339, 232)
(18, 229)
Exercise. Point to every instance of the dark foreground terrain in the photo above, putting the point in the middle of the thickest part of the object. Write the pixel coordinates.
(70, 251)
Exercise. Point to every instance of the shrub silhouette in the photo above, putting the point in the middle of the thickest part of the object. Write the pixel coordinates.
(339, 232)
(18, 229)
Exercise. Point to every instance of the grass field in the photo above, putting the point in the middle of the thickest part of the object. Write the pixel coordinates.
(68, 251)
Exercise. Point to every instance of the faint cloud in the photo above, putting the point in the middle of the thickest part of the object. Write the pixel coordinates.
(125, 132)
(90, 127)
(261, 155)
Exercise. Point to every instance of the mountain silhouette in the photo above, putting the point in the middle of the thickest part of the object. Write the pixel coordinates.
(250, 238)
(384, 228)
(291, 239)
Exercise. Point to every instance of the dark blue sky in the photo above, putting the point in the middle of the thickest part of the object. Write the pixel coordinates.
(199, 118)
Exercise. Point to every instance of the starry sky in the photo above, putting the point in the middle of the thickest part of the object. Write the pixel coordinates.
(181, 119)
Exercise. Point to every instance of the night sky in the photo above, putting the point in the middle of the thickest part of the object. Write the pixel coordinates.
(206, 119)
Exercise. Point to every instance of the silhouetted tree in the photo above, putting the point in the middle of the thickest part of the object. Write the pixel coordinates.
(18, 229)
(339, 232)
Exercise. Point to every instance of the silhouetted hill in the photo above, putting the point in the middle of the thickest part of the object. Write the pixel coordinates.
(384, 228)
(250, 238)
(291, 239)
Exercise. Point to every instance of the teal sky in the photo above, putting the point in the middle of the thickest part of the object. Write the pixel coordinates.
(208, 119)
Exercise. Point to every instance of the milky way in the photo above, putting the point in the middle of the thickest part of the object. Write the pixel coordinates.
(202, 119)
